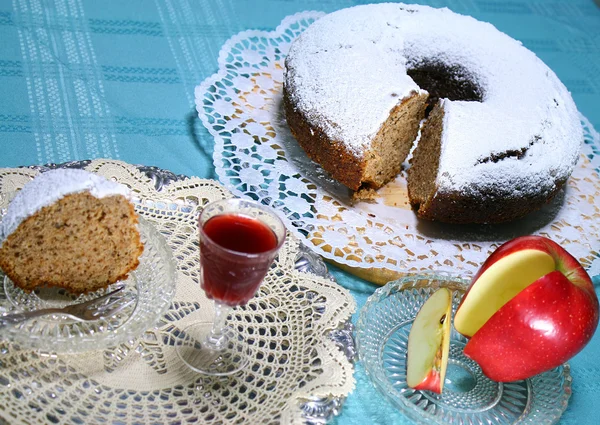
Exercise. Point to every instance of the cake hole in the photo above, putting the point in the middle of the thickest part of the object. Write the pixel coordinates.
(444, 81)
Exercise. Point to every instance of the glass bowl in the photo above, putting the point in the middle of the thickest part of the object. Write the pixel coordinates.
(152, 285)
(468, 396)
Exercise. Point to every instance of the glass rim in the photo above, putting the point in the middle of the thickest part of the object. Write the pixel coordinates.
(262, 207)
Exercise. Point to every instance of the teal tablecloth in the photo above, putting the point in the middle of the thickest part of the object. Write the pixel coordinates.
(82, 79)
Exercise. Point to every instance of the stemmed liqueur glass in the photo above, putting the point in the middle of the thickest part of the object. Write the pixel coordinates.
(239, 240)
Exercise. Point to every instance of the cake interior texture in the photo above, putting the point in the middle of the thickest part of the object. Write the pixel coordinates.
(393, 142)
(425, 161)
(395, 139)
(80, 243)
(373, 168)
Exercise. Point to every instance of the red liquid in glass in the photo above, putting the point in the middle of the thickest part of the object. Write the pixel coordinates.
(229, 276)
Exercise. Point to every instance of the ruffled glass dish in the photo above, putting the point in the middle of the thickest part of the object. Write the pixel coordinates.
(151, 285)
(468, 397)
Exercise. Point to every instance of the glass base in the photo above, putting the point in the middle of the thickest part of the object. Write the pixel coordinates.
(202, 357)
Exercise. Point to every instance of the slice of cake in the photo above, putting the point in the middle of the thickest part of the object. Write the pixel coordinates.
(70, 229)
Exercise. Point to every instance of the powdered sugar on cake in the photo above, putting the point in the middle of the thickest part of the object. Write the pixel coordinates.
(349, 69)
(359, 63)
(49, 187)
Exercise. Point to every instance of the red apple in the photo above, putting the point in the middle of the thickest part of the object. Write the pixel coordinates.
(530, 308)
(429, 343)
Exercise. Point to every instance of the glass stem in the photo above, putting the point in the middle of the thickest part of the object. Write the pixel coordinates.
(217, 339)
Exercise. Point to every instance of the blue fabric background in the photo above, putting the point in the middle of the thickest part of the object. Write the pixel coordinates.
(84, 79)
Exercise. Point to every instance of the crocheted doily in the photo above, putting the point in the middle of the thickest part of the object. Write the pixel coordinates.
(256, 156)
(144, 381)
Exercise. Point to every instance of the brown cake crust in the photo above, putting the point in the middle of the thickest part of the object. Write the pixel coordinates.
(80, 243)
(455, 207)
(460, 209)
(373, 168)
(332, 155)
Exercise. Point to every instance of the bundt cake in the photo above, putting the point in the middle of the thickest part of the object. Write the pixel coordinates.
(70, 229)
(501, 133)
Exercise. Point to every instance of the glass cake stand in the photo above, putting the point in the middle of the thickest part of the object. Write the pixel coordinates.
(469, 397)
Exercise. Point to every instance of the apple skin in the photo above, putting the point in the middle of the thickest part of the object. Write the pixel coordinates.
(563, 262)
(433, 382)
(541, 328)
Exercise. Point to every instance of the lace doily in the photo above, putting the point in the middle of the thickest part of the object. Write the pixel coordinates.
(256, 156)
(144, 381)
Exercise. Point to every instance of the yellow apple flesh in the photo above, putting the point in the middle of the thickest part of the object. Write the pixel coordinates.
(498, 284)
(429, 343)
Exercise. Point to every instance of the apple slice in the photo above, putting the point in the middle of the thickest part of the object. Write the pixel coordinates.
(429, 343)
(530, 307)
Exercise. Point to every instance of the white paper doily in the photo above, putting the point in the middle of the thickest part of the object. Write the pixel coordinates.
(256, 156)
(143, 381)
